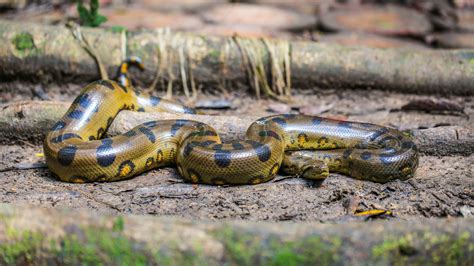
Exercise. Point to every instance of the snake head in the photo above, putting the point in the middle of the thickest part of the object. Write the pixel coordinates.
(318, 170)
(296, 163)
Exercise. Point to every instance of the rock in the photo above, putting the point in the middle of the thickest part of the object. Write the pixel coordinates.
(452, 40)
(261, 16)
(388, 20)
(369, 40)
(465, 19)
(136, 18)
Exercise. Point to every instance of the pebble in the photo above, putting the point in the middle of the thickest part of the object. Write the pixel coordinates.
(315, 109)
(279, 108)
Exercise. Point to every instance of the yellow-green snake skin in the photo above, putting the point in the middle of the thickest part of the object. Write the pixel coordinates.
(307, 146)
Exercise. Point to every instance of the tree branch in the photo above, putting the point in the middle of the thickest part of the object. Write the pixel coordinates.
(52, 54)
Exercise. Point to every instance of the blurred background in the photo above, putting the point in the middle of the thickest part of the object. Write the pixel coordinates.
(413, 24)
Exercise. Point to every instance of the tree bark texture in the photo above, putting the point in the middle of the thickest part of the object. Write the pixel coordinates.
(31, 120)
(50, 53)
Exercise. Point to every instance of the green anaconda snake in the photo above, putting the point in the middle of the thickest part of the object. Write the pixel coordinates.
(307, 146)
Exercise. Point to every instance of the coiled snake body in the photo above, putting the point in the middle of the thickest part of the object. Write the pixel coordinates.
(301, 145)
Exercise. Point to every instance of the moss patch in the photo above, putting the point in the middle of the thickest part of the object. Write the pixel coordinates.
(214, 54)
(23, 41)
(21, 247)
(252, 249)
(117, 29)
(83, 246)
(110, 246)
(430, 248)
(100, 247)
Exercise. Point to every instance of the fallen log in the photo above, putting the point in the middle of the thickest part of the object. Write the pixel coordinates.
(31, 120)
(55, 237)
(50, 53)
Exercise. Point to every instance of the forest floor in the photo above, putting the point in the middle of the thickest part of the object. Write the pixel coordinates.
(442, 186)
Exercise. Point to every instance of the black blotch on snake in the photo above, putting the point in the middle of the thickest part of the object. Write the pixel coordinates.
(237, 146)
(66, 155)
(75, 114)
(105, 153)
(263, 152)
(59, 125)
(83, 100)
(207, 143)
(149, 161)
(155, 100)
(130, 133)
(344, 124)
(148, 133)
(64, 137)
(365, 155)
(105, 83)
(150, 123)
(347, 153)
(177, 125)
(269, 133)
(189, 148)
(159, 156)
(222, 158)
(316, 120)
(280, 121)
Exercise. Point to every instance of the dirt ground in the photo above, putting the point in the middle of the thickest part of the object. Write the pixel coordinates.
(443, 186)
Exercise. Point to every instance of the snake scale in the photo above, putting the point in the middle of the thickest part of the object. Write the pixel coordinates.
(306, 146)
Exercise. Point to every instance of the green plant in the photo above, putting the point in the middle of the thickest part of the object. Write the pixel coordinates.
(90, 17)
